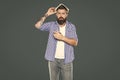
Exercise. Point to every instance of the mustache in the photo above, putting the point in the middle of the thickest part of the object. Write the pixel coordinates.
(60, 18)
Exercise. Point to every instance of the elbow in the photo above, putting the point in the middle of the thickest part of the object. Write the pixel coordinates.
(36, 26)
(76, 43)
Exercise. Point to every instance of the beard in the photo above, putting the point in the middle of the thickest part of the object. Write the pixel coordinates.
(61, 20)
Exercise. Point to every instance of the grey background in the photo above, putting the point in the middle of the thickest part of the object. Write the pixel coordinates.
(22, 47)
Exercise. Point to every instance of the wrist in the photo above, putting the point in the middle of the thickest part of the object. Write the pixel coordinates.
(46, 15)
(63, 38)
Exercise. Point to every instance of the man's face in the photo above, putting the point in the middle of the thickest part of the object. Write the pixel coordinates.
(61, 16)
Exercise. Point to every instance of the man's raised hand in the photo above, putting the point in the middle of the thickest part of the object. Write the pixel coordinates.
(51, 11)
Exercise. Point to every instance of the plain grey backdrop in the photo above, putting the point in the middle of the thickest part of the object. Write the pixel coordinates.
(22, 46)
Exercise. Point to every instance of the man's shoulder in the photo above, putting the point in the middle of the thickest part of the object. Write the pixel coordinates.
(71, 25)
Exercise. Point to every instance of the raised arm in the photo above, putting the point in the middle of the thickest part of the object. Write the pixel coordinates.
(48, 13)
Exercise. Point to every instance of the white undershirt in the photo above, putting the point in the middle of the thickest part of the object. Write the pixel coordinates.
(59, 54)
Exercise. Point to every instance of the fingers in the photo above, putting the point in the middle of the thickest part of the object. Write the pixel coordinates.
(52, 9)
(55, 35)
(56, 32)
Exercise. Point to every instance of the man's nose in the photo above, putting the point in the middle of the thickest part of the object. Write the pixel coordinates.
(60, 17)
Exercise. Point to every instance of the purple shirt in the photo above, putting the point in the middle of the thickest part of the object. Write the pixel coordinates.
(51, 45)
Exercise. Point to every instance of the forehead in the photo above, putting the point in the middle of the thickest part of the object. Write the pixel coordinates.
(61, 11)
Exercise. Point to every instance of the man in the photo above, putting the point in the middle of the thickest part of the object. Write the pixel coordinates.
(62, 38)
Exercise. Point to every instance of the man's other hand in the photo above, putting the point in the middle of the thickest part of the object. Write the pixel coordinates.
(58, 35)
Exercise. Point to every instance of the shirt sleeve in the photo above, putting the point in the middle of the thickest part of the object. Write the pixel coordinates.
(45, 26)
(74, 34)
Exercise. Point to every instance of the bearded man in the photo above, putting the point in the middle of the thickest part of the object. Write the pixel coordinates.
(61, 41)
